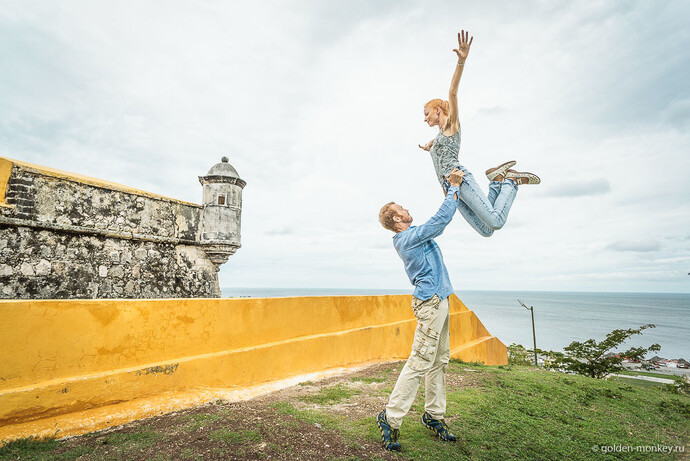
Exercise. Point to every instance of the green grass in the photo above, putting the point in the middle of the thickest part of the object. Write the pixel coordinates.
(49, 449)
(368, 379)
(522, 413)
(133, 441)
(187, 453)
(30, 448)
(309, 416)
(232, 437)
(39, 450)
(509, 412)
(331, 395)
(467, 364)
(528, 413)
(354, 430)
(195, 422)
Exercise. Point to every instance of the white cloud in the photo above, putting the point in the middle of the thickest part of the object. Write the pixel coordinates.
(581, 188)
(638, 246)
(319, 107)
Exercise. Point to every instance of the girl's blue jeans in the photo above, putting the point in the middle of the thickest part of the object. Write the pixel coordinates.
(484, 213)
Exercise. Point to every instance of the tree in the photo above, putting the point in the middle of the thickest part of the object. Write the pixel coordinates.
(591, 358)
(518, 355)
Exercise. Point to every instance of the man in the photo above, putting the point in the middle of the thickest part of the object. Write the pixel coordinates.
(431, 347)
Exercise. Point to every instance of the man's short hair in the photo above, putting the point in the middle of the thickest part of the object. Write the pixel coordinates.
(386, 216)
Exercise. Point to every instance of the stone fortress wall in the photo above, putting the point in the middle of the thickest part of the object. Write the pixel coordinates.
(64, 235)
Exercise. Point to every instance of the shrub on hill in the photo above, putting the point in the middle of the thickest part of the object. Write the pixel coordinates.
(588, 358)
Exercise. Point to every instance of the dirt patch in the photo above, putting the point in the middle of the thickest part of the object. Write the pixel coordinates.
(236, 431)
(461, 378)
(261, 428)
(372, 386)
(300, 422)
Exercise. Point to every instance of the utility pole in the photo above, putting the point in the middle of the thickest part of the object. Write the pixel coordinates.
(534, 335)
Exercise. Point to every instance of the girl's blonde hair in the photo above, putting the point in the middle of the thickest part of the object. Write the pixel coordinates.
(440, 103)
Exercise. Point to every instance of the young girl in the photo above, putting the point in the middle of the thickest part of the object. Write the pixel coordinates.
(485, 214)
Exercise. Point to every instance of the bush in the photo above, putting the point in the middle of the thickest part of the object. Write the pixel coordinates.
(518, 355)
(679, 386)
(594, 359)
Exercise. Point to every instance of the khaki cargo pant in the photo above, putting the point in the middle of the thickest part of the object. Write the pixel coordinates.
(430, 355)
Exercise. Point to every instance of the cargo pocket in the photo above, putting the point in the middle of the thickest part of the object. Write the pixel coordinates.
(423, 348)
(424, 310)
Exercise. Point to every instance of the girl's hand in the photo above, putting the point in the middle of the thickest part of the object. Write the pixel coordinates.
(463, 48)
(428, 146)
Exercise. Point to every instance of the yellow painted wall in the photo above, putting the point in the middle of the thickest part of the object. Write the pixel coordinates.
(5, 173)
(65, 358)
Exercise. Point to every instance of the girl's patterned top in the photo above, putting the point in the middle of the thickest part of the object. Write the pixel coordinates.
(444, 154)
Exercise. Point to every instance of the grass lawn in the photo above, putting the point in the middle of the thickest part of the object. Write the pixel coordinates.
(497, 413)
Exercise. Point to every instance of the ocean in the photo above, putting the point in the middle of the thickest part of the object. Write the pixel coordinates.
(559, 317)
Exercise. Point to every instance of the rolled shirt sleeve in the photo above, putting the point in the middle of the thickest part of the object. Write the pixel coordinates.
(422, 256)
(438, 222)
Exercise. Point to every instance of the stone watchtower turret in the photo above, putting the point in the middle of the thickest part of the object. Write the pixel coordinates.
(220, 220)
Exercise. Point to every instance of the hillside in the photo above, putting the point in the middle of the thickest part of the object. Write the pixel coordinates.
(509, 412)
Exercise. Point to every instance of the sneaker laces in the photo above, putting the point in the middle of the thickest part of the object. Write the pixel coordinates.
(443, 425)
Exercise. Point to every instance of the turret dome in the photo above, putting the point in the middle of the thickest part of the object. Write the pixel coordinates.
(223, 169)
(224, 173)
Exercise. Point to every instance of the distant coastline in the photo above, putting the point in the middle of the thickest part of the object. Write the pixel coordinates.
(232, 292)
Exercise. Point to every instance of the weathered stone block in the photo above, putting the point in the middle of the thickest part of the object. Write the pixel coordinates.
(46, 251)
(59, 267)
(27, 269)
(116, 271)
(129, 287)
(43, 267)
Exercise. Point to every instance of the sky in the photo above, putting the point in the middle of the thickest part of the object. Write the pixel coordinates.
(319, 107)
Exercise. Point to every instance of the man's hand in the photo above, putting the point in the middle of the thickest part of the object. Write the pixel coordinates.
(428, 145)
(463, 48)
(455, 177)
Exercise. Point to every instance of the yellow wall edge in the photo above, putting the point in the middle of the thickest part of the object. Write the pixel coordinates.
(5, 172)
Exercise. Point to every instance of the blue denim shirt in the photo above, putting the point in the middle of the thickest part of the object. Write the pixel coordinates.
(422, 256)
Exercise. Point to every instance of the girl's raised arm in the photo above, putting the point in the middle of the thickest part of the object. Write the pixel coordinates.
(463, 49)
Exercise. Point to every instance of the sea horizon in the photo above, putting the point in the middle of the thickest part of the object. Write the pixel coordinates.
(410, 290)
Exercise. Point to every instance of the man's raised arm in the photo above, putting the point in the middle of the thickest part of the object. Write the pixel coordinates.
(438, 222)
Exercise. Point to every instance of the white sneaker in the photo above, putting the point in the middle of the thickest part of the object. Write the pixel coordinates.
(500, 170)
(522, 177)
